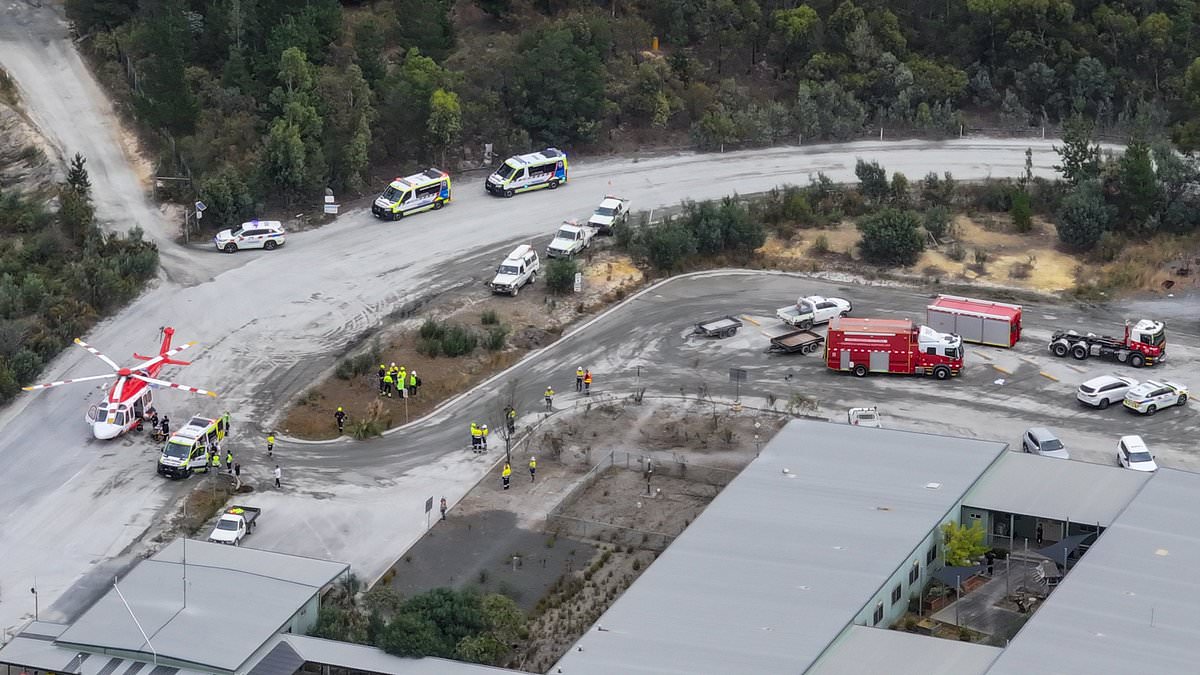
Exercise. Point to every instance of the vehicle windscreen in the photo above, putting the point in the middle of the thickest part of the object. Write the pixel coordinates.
(508, 269)
(506, 171)
(176, 450)
(1135, 457)
(223, 524)
(237, 232)
(1156, 339)
(1052, 444)
(565, 234)
(392, 194)
(1087, 389)
(606, 211)
(955, 352)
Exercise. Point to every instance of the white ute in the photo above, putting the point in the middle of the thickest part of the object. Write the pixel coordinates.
(519, 268)
(234, 524)
(812, 310)
(612, 212)
(570, 239)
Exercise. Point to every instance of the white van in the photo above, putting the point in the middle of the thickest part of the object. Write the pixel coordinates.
(425, 191)
(533, 171)
(519, 268)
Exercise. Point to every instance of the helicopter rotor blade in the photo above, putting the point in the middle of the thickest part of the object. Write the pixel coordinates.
(172, 385)
(72, 381)
(96, 352)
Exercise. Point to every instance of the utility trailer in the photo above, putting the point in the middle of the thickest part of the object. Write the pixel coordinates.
(981, 321)
(797, 341)
(720, 327)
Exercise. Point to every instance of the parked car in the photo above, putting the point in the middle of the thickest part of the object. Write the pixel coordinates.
(265, 234)
(613, 212)
(1151, 396)
(1042, 441)
(519, 268)
(812, 310)
(1132, 453)
(1101, 392)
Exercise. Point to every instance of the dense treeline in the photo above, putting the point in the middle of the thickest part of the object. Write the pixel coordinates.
(59, 274)
(279, 98)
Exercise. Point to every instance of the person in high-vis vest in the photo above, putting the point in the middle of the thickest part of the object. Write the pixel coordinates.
(587, 382)
(340, 418)
(476, 437)
(579, 379)
(270, 445)
(402, 383)
(382, 372)
(549, 398)
(412, 383)
(510, 419)
(387, 384)
(505, 475)
(215, 457)
(532, 469)
(229, 460)
(484, 432)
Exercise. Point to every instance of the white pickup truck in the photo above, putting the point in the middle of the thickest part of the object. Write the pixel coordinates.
(812, 310)
(234, 525)
(570, 239)
(612, 213)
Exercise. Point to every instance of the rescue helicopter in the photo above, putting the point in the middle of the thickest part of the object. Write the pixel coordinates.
(130, 397)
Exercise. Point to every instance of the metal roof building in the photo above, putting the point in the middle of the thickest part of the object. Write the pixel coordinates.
(787, 555)
(863, 650)
(1130, 605)
(1056, 488)
(193, 606)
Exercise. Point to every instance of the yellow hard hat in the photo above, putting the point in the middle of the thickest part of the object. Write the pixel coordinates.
(339, 408)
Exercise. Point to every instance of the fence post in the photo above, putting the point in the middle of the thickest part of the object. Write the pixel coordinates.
(881, 133)
(960, 131)
(1043, 133)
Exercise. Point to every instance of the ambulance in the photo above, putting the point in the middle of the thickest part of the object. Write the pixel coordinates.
(186, 451)
(534, 171)
(425, 191)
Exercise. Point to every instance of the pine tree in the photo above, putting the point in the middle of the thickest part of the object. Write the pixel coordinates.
(1080, 158)
(77, 176)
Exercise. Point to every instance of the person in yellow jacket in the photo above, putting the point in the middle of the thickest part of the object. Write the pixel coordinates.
(402, 383)
(484, 432)
(476, 437)
(532, 469)
(549, 398)
(579, 379)
(505, 475)
(270, 445)
(388, 380)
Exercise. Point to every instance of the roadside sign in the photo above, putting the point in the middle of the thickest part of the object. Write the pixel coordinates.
(329, 199)
(428, 505)
(199, 215)
(738, 375)
(332, 208)
(578, 281)
(200, 206)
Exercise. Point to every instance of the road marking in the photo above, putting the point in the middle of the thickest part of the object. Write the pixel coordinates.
(1076, 368)
(983, 354)
(1003, 370)
(1048, 376)
(751, 320)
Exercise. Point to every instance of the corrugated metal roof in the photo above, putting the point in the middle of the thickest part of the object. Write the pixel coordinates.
(862, 651)
(1061, 489)
(780, 563)
(281, 660)
(1130, 605)
(374, 660)
(247, 594)
(37, 653)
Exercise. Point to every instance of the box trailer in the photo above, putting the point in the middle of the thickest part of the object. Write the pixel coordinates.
(863, 346)
(982, 321)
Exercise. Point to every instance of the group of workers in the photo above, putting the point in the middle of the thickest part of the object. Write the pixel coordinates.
(479, 438)
(396, 378)
(583, 380)
(506, 474)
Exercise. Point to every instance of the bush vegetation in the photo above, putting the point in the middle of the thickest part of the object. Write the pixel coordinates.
(59, 275)
(560, 275)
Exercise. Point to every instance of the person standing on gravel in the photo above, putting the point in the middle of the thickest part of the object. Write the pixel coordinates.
(532, 469)
(549, 398)
(278, 475)
(443, 508)
(506, 475)
(579, 379)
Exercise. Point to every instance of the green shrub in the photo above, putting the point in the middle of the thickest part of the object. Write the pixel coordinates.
(458, 341)
(496, 338)
(891, 237)
(956, 252)
(820, 245)
(432, 329)
(981, 256)
(489, 317)
(560, 275)
(937, 221)
(1021, 212)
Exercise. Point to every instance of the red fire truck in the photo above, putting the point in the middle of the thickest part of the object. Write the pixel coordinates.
(864, 346)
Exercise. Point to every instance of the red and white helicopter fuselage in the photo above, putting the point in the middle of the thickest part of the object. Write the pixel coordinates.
(130, 397)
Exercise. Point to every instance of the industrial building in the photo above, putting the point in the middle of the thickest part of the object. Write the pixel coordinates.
(800, 565)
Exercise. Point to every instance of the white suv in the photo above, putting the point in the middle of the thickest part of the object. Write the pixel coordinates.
(519, 268)
(1132, 453)
(1101, 392)
(265, 234)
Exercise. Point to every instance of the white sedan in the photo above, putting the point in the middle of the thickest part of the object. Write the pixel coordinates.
(264, 234)
(1101, 392)
(1151, 396)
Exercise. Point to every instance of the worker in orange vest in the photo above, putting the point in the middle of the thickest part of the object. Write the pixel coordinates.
(587, 382)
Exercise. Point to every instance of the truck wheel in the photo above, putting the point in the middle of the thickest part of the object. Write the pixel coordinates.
(1059, 349)
(859, 370)
(516, 289)
(804, 325)
(1136, 360)
(533, 277)
(941, 373)
(1079, 352)
(553, 185)
(508, 193)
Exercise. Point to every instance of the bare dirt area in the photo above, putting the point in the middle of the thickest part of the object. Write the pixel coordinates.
(533, 319)
(568, 543)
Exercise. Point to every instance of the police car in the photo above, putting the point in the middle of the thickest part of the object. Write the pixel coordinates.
(1150, 396)
(265, 234)
(425, 191)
